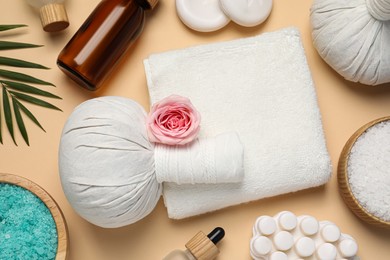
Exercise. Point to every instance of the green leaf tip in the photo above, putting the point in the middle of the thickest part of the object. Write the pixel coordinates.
(8, 114)
(6, 27)
(20, 122)
(20, 63)
(23, 77)
(7, 45)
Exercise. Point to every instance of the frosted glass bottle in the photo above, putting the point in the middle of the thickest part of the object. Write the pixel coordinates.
(101, 41)
(200, 247)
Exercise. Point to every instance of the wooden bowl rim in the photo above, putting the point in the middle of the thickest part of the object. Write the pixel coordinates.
(342, 176)
(51, 204)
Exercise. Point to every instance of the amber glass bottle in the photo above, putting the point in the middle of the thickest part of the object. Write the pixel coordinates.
(101, 41)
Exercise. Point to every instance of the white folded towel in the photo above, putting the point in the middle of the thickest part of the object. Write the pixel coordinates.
(261, 88)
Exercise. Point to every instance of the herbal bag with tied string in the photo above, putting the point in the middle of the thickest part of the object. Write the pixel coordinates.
(112, 174)
(353, 37)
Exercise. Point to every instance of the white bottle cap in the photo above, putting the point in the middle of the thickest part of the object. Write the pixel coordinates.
(305, 247)
(278, 256)
(287, 220)
(266, 225)
(348, 248)
(202, 16)
(309, 226)
(247, 13)
(260, 246)
(330, 233)
(326, 251)
(283, 240)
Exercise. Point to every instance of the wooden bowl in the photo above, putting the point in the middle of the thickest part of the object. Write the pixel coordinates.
(342, 177)
(62, 230)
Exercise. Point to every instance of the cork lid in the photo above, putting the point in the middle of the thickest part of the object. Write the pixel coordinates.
(152, 3)
(53, 17)
(202, 248)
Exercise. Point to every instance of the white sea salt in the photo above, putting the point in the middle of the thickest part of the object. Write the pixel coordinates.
(369, 170)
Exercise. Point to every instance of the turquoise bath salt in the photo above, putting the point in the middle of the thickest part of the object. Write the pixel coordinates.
(27, 228)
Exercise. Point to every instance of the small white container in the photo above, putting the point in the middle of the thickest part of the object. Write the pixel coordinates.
(344, 180)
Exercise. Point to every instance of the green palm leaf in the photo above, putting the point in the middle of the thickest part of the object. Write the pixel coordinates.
(16, 89)
(29, 114)
(28, 89)
(20, 63)
(6, 27)
(8, 114)
(22, 77)
(1, 135)
(33, 100)
(19, 121)
(6, 45)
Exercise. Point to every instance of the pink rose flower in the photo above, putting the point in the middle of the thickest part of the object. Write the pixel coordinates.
(173, 120)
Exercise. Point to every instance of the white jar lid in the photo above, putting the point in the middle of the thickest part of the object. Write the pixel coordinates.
(201, 15)
(247, 13)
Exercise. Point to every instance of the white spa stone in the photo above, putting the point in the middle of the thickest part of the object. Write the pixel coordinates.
(330, 233)
(348, 247)
(283, 240)
(368, 170)
(260, 246)
(326, 251)
(201, 15)
(265, 225)
(287, 220)
(278, 256)
(310, 239)
(247, 13)
(309, 225)
(305, 247)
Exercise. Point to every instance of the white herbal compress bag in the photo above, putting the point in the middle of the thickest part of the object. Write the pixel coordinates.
(353, 37)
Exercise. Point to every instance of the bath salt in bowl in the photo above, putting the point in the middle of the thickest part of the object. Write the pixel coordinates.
(364, 173)
(32, 225)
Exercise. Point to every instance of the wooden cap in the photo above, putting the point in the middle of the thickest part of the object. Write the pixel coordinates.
(202, 248)
(152, 3)
(53, 17)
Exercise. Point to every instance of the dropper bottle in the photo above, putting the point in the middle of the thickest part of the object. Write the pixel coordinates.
(200, 247)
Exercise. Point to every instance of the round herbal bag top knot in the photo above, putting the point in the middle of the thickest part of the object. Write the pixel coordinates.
(173, 121)
(353, 37)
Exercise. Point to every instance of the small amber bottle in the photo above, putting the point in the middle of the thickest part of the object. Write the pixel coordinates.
(200, 247)
(101, 41)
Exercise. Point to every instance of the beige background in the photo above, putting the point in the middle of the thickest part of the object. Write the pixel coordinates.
(345, 107)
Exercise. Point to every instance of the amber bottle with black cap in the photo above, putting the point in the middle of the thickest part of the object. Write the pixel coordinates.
(101, 41)
(200, 247)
